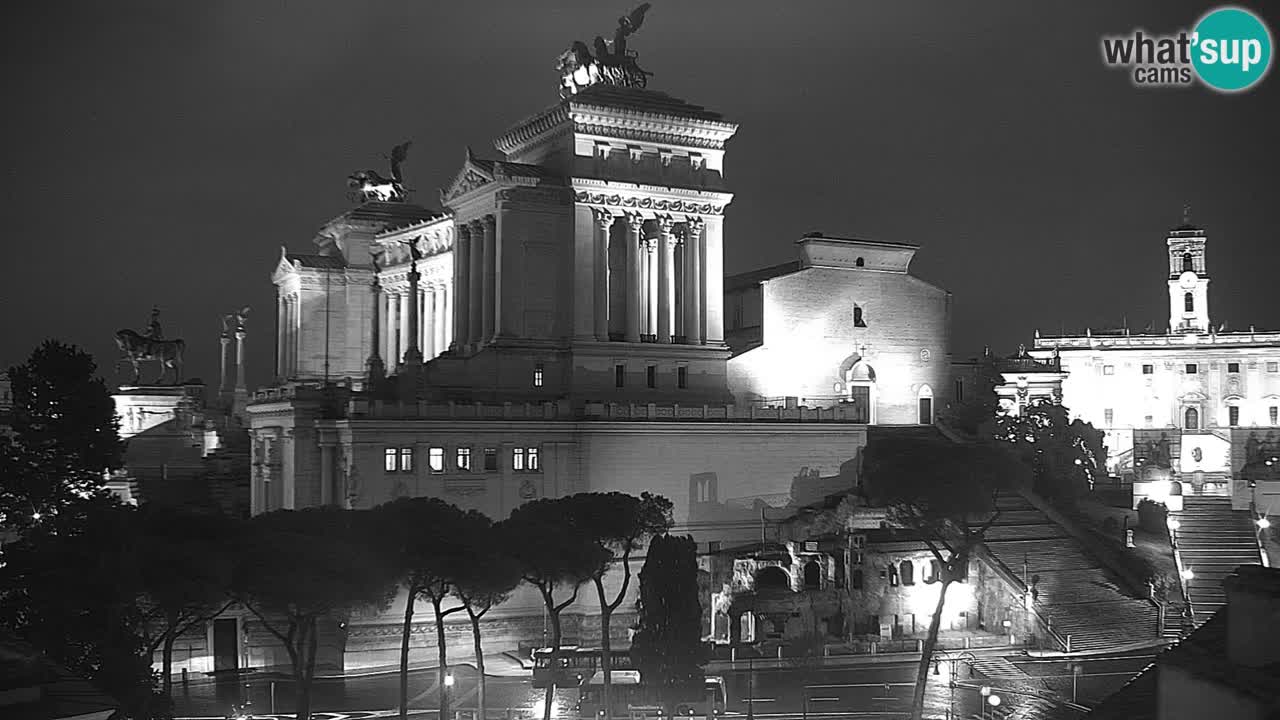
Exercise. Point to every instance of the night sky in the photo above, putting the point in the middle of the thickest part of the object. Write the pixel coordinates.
(161, 153)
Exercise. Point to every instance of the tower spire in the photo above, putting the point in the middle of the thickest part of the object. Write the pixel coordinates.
(1186, 214)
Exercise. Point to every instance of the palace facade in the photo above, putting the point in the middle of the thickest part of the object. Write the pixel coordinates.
(1198, 403)
(558, 327)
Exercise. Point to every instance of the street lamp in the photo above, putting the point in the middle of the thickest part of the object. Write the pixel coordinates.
(1187, 574)
(1263, 523)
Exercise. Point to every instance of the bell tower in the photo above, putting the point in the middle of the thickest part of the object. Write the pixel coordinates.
(1188, 278)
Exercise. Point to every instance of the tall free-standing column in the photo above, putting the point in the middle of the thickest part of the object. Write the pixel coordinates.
(634, 225)
(666, 304)
(489, 269)
(222, 379)
(462, 285)
(375, 367)
(693, 281)
(240, 386)
(475, 303)
(413, 303)
(281, 334)
(604, 221)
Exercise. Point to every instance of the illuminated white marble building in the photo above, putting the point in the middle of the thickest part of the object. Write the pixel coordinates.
(1205, 390)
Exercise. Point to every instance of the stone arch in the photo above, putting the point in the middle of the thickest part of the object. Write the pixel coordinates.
(772, 578)
(1191, 418)
(812, 575)
(924, 405)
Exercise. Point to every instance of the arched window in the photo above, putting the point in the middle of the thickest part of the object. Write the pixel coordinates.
(1188, 265)
(1188, 302)
(859, 262)
(1192, 417)
(857, 317)
(934, 572)
(908, 572)
(812, 575)
(772, 578)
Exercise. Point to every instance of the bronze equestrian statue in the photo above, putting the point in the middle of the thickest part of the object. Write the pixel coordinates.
(136, 348)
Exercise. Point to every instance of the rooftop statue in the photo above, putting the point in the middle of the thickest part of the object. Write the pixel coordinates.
(368, 185)
(136, 347)
(579, 69)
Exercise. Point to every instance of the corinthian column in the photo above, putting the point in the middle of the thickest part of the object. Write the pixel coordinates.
(651, 286)
(666, 279)
(604, 221)
(634, 225)
(462, 286)
(443, 312)
(429, 347)
(475, 284)
(403, 316)
(490, 272)
(693, 281)
(281, 320)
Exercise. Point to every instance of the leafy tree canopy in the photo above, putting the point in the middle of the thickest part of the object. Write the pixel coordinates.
(668, 647)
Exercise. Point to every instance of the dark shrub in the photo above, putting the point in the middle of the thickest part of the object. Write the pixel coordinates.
(1152, 516)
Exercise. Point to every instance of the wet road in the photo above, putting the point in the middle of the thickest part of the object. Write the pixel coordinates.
(875, 691)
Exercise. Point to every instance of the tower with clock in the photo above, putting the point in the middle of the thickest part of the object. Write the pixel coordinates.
(1188, 279)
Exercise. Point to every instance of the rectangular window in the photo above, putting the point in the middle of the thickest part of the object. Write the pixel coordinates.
(435, 459)
(1148, 369)
(1192, 369)
(532, 461)
(406, 459)
(517, 459)
(959, 390)
(1108, 369)
(389, 460)
(1108, 416)
(1233, 415)
(490, 459)
(1273, 367)
(464, 459)
(619, 375)
(682, 377)
(1233, 367)
(1273, 413)
(537, 375)
(651, 376)
(1149, 420)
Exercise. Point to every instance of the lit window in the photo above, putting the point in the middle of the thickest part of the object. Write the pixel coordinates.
(959, 390)
(531, 456)
(435, 459)
(464, 459)
(517, 459)
(1108, 416)
(406, 459)
(1273, 413)
(651, 376)
(1233, 367)
(1188, 302)
(1108, 369)
(619, 375)
(1192, 369)
(1233, 416)
(537, 375)
(682, 377)
(1187, 264)
(1148, 369)
(389, 460)
(490, 459)
(1149, 420)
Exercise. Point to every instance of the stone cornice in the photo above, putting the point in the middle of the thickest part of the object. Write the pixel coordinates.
(532, 130)
(658, 199)
(652, 127)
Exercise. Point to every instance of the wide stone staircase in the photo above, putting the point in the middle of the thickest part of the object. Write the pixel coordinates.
(1074, 591)
(1213, 540)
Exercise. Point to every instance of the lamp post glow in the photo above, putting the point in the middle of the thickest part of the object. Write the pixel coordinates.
(1174, 524)
(1262, 523)
(1188, 575)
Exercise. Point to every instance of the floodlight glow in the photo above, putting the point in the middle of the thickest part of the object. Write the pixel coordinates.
(1187, 574)
(994, 700)
(1263, 523)
(1174, 524)
(985, 691)
(448, 680)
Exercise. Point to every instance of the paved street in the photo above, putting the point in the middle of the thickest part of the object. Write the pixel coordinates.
(866, 691)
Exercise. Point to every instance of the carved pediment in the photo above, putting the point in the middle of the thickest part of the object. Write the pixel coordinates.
(470, 177)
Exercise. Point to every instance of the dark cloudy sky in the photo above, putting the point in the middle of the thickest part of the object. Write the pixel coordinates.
(163, 152)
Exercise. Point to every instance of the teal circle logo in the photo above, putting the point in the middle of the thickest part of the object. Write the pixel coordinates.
(1231, 49)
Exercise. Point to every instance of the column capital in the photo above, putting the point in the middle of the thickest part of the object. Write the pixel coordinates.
(489, 222)
(476, 226)
(463, 231)
(665, 224)
(635, 221)
(694, 224)
(604, 219)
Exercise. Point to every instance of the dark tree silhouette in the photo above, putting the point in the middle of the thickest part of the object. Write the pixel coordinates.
(947, 494)
(65, 436)
(1066, 457)
(620, 524)
(667, 646)
(552, 552)
(300, 566)
(70, 587)
(185, 573)
(488, 577)
(426, 540)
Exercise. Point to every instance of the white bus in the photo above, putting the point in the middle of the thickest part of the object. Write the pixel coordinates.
(632, 699)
